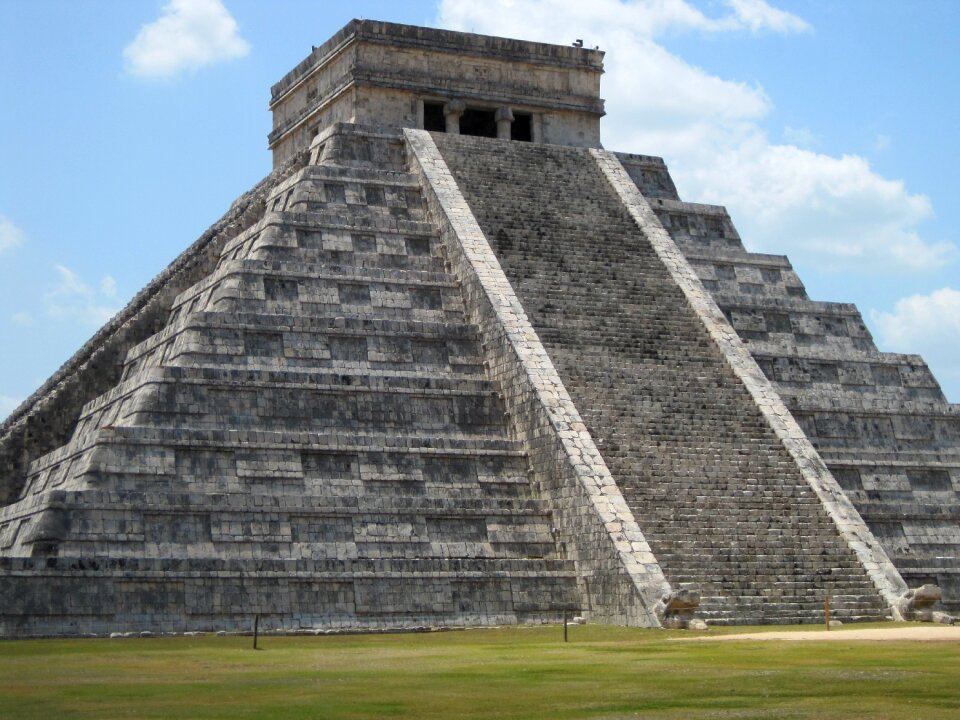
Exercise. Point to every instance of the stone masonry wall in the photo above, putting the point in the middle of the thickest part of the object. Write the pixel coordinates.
(376, 73)
(878, 420)
(722, 502)
(834, 501)
(47, 418)
(619, 574)
(312, 437)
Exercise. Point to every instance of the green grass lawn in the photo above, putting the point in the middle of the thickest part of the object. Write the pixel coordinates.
(603, 672)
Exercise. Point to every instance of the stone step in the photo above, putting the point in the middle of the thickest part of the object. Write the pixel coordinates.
(272, 408)
(321, 379)
(680, 433)
(261, 286)
(405, 407)
(367, 175)
(827, 397)
(363, 251)
(261, 547)
(288, 228)
(741, 259)
(356, 147)
(315, 501)
(317, 341)
(344, 219)
(837, 432)
(369, 212)
(410, 571)
(465, 473)
(878, 457)
(910, 507)
(255, 441)
(163, 524)
(362, 191)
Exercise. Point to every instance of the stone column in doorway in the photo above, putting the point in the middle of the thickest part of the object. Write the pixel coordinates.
(452, 112)
(504, 118)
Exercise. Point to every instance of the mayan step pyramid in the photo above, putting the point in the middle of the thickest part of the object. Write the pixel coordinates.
(453, 364)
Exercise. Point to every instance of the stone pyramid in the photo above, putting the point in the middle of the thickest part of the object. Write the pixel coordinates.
(484, 374)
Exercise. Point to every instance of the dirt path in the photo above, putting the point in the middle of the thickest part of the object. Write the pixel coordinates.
(923, 633)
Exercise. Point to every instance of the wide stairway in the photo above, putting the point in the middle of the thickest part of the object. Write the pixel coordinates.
(313, 437)
(717, 496)
(879, 420)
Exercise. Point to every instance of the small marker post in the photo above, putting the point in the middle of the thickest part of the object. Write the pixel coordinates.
(256, 630)
(826, 611)
(565, 626)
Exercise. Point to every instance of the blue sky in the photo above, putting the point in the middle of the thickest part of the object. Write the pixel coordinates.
(827, 129)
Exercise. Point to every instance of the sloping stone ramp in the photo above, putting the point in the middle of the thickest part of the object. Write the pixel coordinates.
(728, 503)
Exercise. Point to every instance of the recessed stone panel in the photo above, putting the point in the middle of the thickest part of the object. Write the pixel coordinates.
(176, 528)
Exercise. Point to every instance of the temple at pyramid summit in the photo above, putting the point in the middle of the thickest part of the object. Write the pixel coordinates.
(452, 363)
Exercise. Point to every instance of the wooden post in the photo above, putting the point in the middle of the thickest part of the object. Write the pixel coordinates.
(826, 611)
(256, 630)
(565, 626)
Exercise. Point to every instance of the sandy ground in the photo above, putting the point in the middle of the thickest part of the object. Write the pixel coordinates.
(923, 633)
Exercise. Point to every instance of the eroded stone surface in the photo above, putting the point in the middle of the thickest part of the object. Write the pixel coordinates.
(878, 420)
(721, 495)
(313, 437)
(492, 382)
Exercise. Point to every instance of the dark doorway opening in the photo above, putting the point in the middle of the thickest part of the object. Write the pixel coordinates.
(482, 123)
(433, 119)
(522, 127)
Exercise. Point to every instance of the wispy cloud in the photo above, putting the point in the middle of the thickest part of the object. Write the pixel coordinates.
(22, 318)
(757, 16)
(641, 17)
(801, 137)
(72, 299)
(108, 286)
(188, 35)
(927, 324)
(10, 234)
(920, 318)
(835, 212)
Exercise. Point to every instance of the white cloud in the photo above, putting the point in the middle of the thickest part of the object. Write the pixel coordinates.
(801, 137)
(72, 299)
(835, 212)
(23, 318)
(919, 318)
(925, 324)
(188, 35)
(10, 234)
(108, 286)
(531, 18)
(8, 405)
(757, 15)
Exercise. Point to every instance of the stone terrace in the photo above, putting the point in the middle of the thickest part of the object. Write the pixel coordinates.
(879, 420)
(718, 497)
(312, 437)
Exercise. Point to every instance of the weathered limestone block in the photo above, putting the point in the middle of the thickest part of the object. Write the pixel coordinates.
(313, 438)
(917, 604)
(650, 370)
(677, 611)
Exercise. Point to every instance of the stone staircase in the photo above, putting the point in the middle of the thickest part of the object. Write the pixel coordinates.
(879, 420)
(312, 437)
(720, 501)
